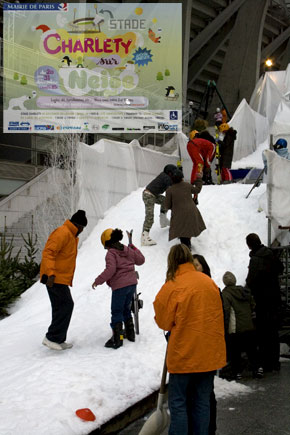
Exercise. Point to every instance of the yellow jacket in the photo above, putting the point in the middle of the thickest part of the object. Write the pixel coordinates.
(191, 308)
(59, 254)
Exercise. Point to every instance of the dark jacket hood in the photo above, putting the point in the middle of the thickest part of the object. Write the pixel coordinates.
(232, 133)
(238, 292)
(261, 251)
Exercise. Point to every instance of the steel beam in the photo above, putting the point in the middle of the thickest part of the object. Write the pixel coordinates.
(204, 36)
(206, 56)
(272, 47)
(203, 8)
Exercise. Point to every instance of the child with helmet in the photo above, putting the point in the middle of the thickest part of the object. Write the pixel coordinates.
(121, 276)
(280, 147)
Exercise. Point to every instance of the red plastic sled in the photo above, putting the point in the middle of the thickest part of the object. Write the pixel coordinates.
(86, 414)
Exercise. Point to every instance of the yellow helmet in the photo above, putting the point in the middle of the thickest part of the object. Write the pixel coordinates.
(106, 235)
(224, 127)
(192, 134)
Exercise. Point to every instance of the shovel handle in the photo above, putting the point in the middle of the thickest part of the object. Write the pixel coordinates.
(164, 375)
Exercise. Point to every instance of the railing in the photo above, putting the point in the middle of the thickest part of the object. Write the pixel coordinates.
(283, 253)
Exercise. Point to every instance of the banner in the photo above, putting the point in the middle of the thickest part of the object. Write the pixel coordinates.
(85, 67)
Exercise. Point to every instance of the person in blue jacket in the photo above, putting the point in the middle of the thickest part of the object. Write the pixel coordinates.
(281, 149)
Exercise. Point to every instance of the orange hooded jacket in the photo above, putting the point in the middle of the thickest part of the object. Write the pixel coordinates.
(59, 254)
(191, 308)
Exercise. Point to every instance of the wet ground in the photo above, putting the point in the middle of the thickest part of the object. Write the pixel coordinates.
(265, 411)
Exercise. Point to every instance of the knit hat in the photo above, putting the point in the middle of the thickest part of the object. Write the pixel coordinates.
(79, 218)
(229, 279)
(169, 168)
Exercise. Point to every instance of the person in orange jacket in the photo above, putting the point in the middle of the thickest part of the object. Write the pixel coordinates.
(190, 307)
(57, 271)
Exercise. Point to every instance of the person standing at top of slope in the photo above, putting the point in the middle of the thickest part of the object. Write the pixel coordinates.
(153, 195)
(57, 271)
(120, 275)
(227, 151)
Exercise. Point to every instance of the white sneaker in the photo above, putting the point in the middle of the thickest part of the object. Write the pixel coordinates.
(164, 222)
(52, 344)
(65, 345)
(146, 239)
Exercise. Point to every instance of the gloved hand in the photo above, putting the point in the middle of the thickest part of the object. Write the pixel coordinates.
(94, 285)
(50, 281)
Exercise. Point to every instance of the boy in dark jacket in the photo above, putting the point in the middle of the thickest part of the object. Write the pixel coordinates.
(238, 310)
(153, 195)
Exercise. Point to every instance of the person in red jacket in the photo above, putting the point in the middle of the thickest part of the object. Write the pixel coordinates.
(120, 275)
(56, 271)
(190, 307)
(201, 152)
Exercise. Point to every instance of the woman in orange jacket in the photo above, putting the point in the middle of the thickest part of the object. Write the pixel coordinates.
(189, 306)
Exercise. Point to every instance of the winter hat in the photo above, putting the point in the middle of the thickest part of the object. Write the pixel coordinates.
(229, 279)
(169, 168)
(79, 218)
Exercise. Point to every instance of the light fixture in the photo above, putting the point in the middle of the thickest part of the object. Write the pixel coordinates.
(268, 63)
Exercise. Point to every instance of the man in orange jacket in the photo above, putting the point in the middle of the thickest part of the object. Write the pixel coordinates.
(57, 271)
(190, 307)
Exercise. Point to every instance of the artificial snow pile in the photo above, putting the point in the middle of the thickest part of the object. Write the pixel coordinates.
(41, 389)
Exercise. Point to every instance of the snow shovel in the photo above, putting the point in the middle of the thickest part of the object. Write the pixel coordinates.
(157, 421)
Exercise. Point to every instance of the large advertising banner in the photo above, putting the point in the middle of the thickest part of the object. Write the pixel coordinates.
(95, 67)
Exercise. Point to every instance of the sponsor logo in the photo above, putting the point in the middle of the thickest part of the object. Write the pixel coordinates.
(19, 128)
(173, 114)
(71, 127)
(164, 126)
(105, 126)
(13, 123)
(148, 127)
(133, 129)
(95, 127)
(118, 128)
(44, 127)
(27, 124)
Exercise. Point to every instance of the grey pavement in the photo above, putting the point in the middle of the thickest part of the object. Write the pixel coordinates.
(265, 411)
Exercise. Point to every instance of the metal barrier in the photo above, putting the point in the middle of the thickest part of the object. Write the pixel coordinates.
(283, 253)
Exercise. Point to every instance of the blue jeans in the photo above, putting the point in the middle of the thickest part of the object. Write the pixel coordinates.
(121, 304)
(189, 402)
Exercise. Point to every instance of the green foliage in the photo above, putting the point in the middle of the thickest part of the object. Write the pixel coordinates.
(15, 275)
(23, 80)
(16, 76)
(167, 73)
(159, 76)
(29, 268)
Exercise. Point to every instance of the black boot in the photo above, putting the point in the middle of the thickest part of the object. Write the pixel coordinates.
(116, 340)
(130, 331)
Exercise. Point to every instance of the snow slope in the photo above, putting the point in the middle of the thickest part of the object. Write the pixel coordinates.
(41, 389)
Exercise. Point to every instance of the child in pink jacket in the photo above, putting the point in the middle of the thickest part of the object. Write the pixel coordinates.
(121, 276)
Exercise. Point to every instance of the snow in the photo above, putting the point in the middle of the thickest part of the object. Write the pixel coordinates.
(41, 389)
